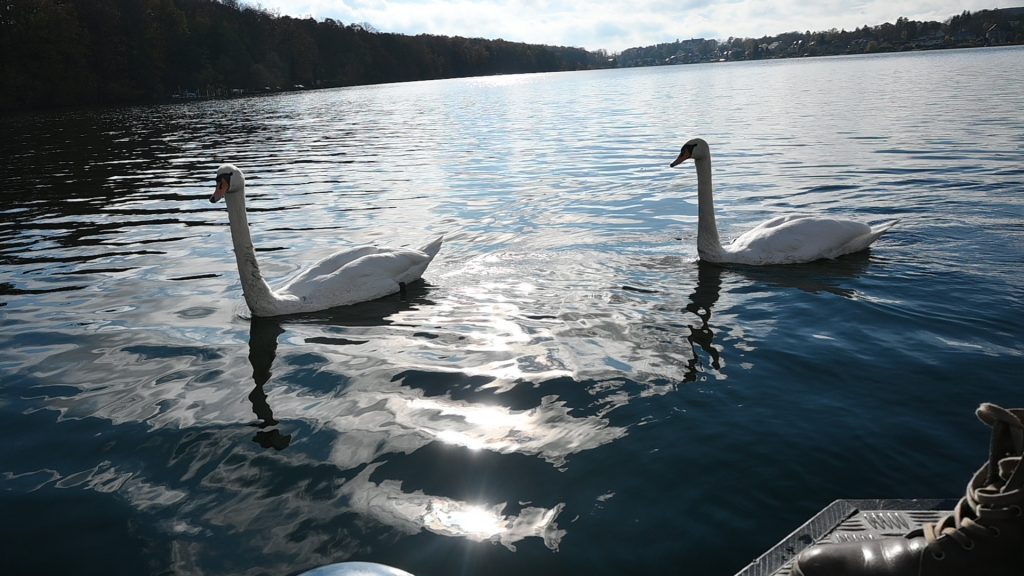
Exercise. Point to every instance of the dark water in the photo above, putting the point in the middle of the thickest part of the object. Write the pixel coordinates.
(568, 392)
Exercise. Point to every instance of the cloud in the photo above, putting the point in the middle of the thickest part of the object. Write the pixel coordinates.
(616, 24)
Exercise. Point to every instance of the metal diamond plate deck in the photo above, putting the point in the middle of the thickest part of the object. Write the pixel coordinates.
(847, 521)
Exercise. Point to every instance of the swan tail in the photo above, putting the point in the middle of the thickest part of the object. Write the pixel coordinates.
(864, 240)
(431, 248)
(411, 274)
(884, 227)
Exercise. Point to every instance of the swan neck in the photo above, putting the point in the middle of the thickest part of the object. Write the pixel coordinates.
(257, 292)
(708, 244)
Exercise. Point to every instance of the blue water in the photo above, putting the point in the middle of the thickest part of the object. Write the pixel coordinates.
(569, 391)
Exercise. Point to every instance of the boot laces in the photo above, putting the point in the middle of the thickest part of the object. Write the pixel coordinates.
(995, 493)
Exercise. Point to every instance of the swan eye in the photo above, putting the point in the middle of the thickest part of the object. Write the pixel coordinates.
(225, 177)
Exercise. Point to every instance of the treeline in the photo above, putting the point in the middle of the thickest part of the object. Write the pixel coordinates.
(982, 28)
(81, 52)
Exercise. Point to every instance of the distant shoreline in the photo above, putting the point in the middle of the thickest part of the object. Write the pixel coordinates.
(802, 56)
(201, 49)
(986, 28)
(183, 99)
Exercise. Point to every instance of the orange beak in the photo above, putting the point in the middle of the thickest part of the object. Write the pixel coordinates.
(219, 191)
(683, 156)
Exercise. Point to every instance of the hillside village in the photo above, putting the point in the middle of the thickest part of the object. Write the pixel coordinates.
(966, 30)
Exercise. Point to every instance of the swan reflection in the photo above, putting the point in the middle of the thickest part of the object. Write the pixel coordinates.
(822, 276)
(683, 352)
(263, 339)
(701, 338)
(263, 333)
(814, 277)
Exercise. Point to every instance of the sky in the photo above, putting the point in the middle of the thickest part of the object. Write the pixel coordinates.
(615, 25)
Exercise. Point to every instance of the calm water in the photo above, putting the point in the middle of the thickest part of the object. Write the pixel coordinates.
(568, 392)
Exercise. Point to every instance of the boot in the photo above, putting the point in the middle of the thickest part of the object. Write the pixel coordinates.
(983, 536)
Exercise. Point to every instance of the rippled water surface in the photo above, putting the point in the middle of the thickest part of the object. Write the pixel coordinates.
(569, 391)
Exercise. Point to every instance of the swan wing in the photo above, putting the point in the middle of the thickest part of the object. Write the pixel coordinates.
(340, 259)
(792, 239)
(333, 263)
(373, 275)
(397, 265)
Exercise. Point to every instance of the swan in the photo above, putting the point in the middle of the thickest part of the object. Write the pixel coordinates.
(353, 275)
(781, 240)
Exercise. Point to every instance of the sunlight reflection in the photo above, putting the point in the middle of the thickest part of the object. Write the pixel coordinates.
(505, 80)
(456, 438)
(415, 511)
(548, 430)
(474, 522)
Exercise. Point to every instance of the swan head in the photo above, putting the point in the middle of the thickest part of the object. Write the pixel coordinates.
(229, 180)
(696, 149)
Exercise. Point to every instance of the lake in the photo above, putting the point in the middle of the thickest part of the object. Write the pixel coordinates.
(568, 391)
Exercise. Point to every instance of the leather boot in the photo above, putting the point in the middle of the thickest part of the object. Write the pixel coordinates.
(983, 536)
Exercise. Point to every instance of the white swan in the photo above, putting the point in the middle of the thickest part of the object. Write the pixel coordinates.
(781, 240)
(354, 275)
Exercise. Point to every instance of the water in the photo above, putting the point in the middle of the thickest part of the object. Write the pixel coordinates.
(568, 392)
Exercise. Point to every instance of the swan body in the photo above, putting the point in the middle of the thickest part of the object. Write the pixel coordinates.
(781, 240)
(346, 277)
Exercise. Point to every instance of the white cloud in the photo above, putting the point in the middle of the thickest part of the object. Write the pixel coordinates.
(615, 24)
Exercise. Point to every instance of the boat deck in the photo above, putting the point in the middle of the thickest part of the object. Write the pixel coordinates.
(848, 521)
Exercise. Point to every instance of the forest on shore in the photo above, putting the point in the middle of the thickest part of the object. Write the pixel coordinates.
(88, 52)
(57, 53)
